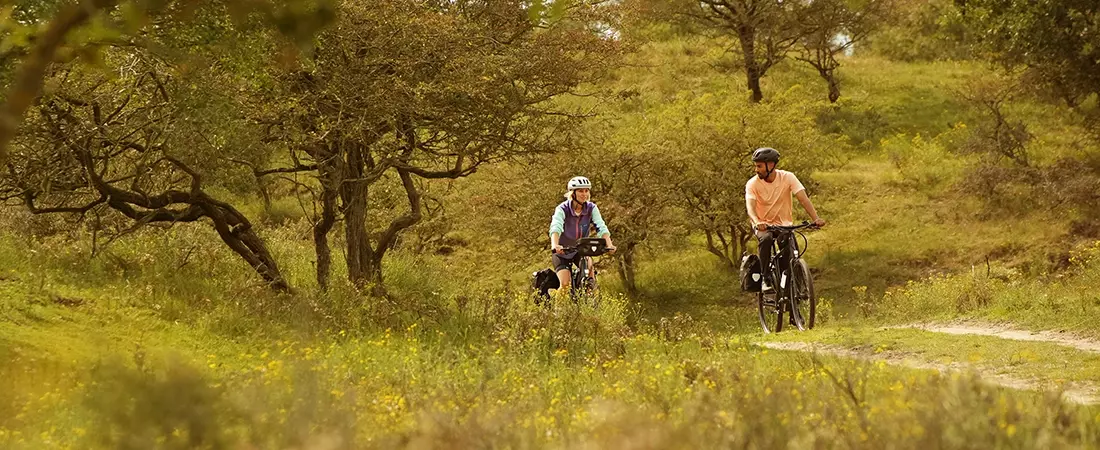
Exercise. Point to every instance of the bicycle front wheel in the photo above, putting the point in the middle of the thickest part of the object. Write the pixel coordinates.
(803, 297)
(771, 315)
(585, 292)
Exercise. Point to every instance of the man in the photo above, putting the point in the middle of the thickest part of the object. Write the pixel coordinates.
(768, 202)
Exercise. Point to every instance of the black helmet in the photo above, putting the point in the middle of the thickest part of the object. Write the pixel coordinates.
(765, 154)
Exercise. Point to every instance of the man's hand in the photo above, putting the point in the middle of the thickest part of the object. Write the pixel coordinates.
(556, 248)
(819, 222)
(611, 250)
(761, 227)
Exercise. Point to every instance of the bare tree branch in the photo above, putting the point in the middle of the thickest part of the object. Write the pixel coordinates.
(28, 80)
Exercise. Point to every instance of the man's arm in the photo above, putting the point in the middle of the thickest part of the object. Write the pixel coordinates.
(749, 201)
(804, 199)
(750, 207)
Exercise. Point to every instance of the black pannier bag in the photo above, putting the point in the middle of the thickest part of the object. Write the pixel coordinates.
(750, 273)
(543, 281)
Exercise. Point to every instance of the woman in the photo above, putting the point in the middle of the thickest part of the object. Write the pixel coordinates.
(571, 222)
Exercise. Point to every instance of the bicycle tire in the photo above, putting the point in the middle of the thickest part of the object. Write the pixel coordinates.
(576, 281)
(588, 292)
(803, 298)
(765, 311)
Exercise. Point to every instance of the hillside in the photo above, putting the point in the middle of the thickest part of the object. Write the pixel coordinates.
(956, 275)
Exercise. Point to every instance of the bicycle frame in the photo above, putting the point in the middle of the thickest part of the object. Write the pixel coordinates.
(582, 279)
(582, 272)
(783, 258)
(787, 295)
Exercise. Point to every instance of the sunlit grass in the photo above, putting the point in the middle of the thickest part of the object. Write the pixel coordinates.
(481, 370)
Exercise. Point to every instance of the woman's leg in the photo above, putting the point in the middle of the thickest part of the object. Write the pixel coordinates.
(561, 267)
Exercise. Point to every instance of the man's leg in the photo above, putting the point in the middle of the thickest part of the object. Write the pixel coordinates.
(766, 241)
(784, 262)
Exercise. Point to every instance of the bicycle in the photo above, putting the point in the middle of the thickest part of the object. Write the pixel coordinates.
(793, 293)
(582, 276)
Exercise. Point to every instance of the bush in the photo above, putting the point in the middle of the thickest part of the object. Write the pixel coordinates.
(1063, 301)
(924, 164)
(171, 408)
(863, 125)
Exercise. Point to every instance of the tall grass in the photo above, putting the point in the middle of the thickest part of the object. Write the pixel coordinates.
(1064, 301)
(460, 369)
(401, 388)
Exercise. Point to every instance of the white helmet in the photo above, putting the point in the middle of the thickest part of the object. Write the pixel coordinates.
(579, 183)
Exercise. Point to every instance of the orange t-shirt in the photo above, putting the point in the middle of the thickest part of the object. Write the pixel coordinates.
(772, 201)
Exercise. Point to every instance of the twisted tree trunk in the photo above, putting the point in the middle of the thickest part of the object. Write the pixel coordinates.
(627, 266)
(753, 72)
(353, 194)
(330, 171)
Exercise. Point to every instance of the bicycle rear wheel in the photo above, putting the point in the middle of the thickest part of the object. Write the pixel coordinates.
(803, 297)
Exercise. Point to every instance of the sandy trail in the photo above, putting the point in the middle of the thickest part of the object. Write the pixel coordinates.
(1076, 393)
(1007, 332)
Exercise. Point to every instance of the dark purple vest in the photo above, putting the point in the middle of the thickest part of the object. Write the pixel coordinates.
(576, 226)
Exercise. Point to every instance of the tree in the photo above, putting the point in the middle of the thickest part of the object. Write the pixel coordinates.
(125, 139)
(27, 80)
(633, 184)
(638, 202)
(409, 90)
(1058, 41)
(714, 137)
(764, 30)
(923, 30)
(832, 27)
(38, 33)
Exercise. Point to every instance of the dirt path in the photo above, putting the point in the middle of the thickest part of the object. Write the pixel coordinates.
(1005, 332)
(1073, 393)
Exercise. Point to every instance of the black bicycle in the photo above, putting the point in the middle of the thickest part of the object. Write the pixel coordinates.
(583, 275)
(793, 292)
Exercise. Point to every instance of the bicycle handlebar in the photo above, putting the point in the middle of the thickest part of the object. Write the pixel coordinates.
(588, 247)
(804, 224)
(589, 253)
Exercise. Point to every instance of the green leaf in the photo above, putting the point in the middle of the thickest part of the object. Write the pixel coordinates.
(535, 10)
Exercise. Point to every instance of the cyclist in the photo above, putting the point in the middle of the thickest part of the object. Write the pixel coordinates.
(768, 202)
(571, 221)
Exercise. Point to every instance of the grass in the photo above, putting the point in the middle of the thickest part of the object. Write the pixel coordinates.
(399, 387)
(1040, 361)
(95, 365)
(883, 235)
(1066, 301)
